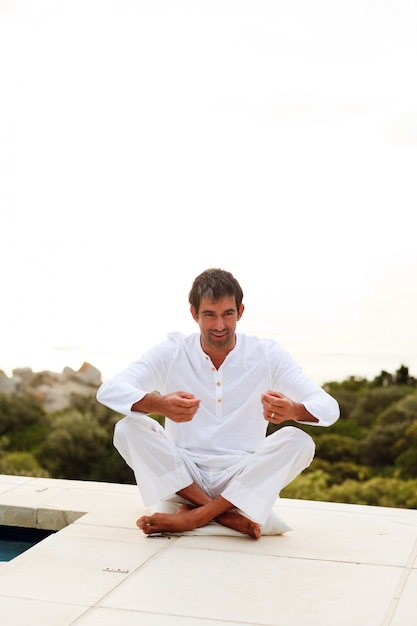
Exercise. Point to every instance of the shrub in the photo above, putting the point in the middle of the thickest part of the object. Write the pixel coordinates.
(74, 444)
(21, 464)
(332, 447)
(378, 491)
(373, 402)
(19, 412)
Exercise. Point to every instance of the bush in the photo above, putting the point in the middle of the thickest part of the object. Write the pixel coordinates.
(73, 446)
(310, 485)
(406, 462)
(340, 471)
(332, 447)
(21, 464)
(19, 412)
(378, 491)
(388, 439)
(371, 403)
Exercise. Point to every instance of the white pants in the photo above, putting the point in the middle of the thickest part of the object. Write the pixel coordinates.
(251, 481)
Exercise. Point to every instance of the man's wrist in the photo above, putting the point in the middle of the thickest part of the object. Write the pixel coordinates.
(303, 415)
(147, 404)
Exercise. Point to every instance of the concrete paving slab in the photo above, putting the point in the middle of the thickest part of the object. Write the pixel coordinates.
(259, 589)
(342, 564)
(406, 610)
(73, 569)
(111, 617)
(20, 611)
(346, 535)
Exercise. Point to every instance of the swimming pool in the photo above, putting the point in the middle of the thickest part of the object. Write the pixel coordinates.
(14, 540)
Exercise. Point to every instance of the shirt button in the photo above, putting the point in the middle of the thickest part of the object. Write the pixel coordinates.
(218, 384)
(219, 399)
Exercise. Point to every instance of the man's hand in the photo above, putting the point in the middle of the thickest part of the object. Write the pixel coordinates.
(279, 408)
(179, 406)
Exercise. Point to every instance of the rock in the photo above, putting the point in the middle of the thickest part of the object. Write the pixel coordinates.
(23, 376)
(87, 374)
(60, 396)
(54, 391)
(7, 385)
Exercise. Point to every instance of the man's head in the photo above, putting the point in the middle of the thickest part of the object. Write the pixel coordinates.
(216, 306)
(215, 284)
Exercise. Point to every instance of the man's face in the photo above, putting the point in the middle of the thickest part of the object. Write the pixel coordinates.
(217, 321)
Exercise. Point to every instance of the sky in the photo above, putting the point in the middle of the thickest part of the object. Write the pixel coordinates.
(142, 142)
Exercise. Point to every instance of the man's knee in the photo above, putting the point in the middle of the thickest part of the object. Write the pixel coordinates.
(300, 435)
(120, 431)
(124, 430)
(308, 445)
(303, 440)
(137, 422)
(293, 436)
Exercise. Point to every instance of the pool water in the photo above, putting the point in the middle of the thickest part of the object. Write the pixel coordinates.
(14, 540)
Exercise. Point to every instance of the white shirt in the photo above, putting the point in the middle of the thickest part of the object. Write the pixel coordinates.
(230, 418)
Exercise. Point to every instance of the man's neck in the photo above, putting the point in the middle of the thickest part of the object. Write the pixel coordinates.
(217, 356)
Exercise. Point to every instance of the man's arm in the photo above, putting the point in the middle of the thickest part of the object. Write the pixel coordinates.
(279, 408)
(179, 406)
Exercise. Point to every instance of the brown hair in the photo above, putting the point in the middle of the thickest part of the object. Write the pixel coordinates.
(215, 284)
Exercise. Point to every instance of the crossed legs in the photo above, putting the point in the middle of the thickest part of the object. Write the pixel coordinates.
(205, 510)
(252, 485)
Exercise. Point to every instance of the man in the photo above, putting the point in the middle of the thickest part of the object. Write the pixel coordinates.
(218, 390)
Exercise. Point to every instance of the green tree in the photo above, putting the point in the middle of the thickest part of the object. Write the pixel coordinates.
(372, 402)
(73, 445)
(377, 491)
(311, 485)
(333, 447)
(18, 412)
(21, 464)
(388, 439)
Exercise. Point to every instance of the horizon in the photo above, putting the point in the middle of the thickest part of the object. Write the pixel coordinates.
(330, 365)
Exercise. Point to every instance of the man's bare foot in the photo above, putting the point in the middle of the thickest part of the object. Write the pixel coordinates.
(147, 522)
(189, 518)
(232, 519)
(180, 521)
(224, 512)
(184, 507)
(235, 520)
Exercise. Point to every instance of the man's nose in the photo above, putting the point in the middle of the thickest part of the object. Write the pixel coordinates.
(219, 323)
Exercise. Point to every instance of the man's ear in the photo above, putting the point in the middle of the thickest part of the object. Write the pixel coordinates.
(194, 314)
(240, 312)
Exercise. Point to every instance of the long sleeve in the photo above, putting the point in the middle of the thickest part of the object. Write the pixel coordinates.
(143, 376)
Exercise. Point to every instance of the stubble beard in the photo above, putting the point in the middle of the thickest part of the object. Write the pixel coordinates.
(221, 344)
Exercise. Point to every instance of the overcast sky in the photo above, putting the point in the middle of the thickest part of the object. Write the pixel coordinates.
(142, 142)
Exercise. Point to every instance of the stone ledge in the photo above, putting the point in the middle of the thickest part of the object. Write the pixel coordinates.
(40, 518)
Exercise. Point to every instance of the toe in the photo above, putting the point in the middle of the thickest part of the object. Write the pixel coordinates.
(142, 522)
